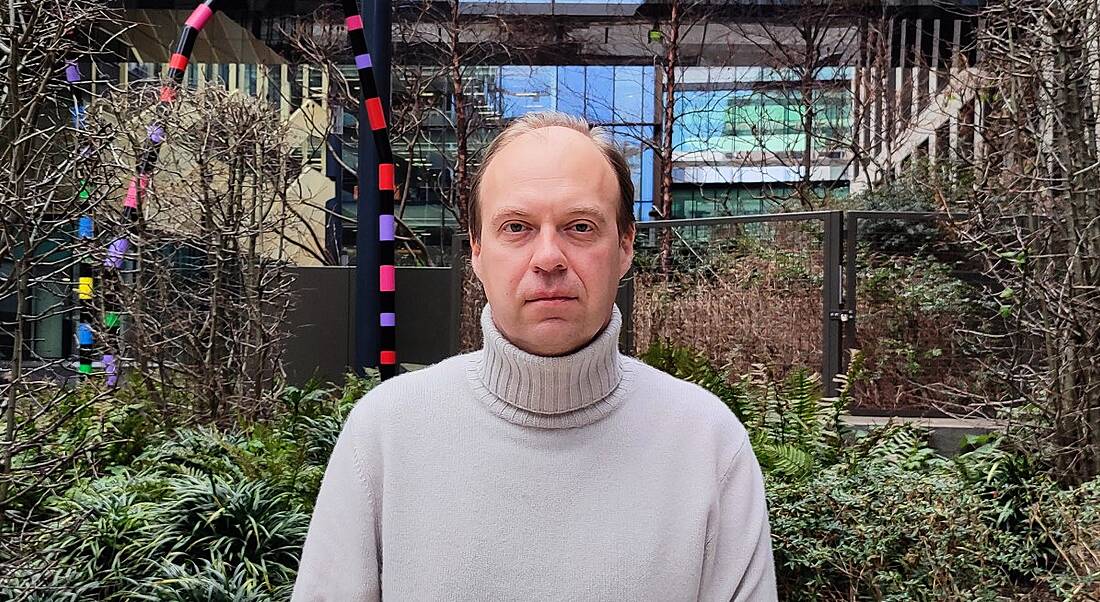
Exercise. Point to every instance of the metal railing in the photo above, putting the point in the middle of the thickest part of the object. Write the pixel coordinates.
(840, 257)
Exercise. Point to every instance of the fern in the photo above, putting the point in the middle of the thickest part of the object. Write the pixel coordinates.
(788, 460)
(897, 444)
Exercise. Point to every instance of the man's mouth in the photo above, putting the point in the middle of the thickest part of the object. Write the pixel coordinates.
(551, 299)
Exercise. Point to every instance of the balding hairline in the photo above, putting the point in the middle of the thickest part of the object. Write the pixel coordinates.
(533, 123)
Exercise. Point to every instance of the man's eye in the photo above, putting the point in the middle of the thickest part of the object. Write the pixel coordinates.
(514, 227)
(583, 227)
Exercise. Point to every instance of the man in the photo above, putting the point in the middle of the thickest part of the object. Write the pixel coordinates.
(545, 466)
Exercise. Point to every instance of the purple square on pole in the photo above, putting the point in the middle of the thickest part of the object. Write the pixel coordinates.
(111, 367)
(387, 319)
(363, 61)
(156, 133)
(72, 73)
(385, 227)
(116, 253)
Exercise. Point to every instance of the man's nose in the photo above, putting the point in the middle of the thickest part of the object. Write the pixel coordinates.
(548, 256)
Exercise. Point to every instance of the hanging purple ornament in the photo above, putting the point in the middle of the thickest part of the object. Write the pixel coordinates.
(156, 133)
(116, 253)
(111, 367)
(72, 72)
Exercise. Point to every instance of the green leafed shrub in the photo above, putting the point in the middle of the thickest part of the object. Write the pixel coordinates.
(793, 428)
(143, 532)
(884, 532)
(201, 513)
(880, 515)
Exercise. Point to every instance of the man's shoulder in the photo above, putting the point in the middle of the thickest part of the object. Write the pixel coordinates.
(686, 405)
(404, 393)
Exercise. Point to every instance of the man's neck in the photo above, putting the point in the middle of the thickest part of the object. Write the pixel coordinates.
(551, 384)
(539, 353)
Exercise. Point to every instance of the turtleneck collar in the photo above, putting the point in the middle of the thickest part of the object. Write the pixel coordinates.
(549, 391)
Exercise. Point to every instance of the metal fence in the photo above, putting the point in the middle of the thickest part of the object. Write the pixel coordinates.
(914, 295)
(786, 291)
(804, 289)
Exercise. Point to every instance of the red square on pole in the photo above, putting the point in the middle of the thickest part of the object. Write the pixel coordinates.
(375, 114)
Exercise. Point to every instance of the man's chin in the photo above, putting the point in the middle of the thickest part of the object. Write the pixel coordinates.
(553, 336)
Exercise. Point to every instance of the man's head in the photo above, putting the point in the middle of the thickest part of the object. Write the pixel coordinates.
(552, 226)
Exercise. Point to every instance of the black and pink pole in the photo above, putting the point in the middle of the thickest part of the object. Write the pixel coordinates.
(376, 117)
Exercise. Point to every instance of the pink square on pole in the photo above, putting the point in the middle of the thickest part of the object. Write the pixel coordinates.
(132, 194)
(385, 278)
(354, 22)
(199, 17)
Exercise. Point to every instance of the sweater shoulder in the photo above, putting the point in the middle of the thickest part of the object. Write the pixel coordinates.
(688, 408)
(405, 396)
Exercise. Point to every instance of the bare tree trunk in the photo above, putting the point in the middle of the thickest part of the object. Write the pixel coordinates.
(462, 125)
(20, 268)
(1036, 215)
(668, 120)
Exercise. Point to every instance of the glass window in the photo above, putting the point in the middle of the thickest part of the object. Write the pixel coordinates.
(702, 121)
(250, 80)
(629, 92)
(525, 89)
(274, 84)
(649, 81)
(600, 94)
(571, 90)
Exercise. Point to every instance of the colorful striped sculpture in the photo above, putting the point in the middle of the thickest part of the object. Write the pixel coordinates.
(85, 231)
(376, 115)
(147, 162)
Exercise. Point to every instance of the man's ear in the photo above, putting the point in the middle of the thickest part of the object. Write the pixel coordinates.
(626, 242)
(475, 257)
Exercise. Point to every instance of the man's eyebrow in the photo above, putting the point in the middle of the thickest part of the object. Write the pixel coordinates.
(504, 212)
(588, 211)
(513, 211)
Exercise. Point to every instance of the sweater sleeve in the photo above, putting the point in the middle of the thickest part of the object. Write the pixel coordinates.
(340, 559)
(737, 557)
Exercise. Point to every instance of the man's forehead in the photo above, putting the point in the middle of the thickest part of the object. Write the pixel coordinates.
(550, 158)
(550, 144)
(553, 171)
(553, 134)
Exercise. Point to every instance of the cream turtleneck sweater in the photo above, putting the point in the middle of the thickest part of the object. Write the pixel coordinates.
(502, 475)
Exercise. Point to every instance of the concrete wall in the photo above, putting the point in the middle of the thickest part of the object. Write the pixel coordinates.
(321, 323)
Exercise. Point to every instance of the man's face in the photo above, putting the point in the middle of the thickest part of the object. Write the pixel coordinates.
(550, 255)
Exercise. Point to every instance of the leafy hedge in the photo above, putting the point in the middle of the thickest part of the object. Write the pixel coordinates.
(208, 513)
(879, 515)
(202, 513)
